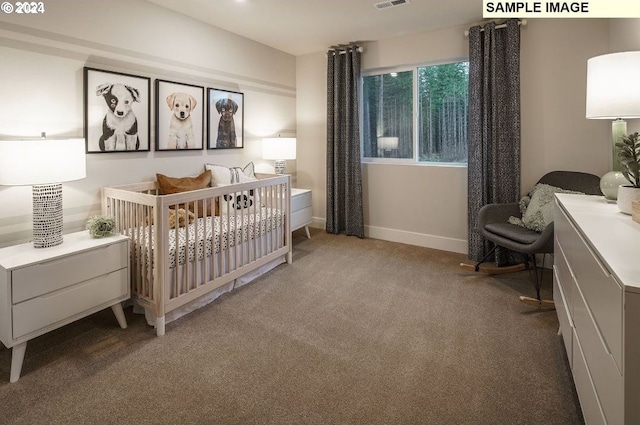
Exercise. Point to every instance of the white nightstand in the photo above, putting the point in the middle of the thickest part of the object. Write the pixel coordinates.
(301, 209)
(42, 289)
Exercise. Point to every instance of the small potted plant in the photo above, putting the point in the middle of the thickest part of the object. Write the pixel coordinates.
(101, 226)
(629, 158)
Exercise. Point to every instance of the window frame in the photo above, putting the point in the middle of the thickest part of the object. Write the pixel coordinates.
(414, 70)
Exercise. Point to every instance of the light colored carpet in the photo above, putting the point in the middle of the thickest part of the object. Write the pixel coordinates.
(353, 332)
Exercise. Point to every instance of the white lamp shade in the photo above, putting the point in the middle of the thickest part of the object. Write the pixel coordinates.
(37, 162)
(275, 148)
(387, 143)
(613, 86)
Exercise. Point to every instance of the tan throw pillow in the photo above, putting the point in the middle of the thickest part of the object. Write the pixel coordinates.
(170, 185)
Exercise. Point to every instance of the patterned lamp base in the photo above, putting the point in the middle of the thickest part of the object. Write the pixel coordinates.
(47, 215)
(281, 166)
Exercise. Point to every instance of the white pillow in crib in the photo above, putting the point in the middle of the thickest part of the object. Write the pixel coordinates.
(221, 175)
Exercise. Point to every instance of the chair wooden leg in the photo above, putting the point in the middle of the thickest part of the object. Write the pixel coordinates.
(546, 304)
(493, 269)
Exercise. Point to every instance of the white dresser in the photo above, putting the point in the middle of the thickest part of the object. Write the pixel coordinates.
(42, 289)
(596, 289)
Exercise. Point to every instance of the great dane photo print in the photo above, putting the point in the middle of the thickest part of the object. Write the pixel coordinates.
(225, 119)
(116, 111)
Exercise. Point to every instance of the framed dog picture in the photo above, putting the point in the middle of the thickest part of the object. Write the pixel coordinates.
(179, 116)
(225, 121)
(117, 111)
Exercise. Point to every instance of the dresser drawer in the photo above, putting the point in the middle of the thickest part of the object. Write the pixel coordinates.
(597, 285)
(42, 278)
(46, 310)
(591, 409)
(564, 318)
(605, 374)
(300, 200)
(566, 279)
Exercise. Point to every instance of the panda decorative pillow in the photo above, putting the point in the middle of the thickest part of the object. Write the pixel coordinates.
(224, 176)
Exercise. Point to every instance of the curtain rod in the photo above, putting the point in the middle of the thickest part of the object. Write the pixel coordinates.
(342, 51)
(522, 22)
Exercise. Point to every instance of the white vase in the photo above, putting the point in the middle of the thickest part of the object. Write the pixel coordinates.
(609, 184)
(626, 195)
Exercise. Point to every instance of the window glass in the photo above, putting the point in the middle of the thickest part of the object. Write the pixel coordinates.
(437, 132)
(443, 106)
(388, 115)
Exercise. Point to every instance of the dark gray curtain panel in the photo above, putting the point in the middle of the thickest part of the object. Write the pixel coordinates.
(344, 173)
(494, 123)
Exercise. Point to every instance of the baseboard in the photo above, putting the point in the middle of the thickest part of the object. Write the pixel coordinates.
(418, 239)
(409, 238)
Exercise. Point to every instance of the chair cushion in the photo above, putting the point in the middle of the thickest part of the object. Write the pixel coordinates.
(513, 232)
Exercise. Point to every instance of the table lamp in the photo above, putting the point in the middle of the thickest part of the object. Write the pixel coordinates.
(279, 149)
(43, 164)
(613, 92)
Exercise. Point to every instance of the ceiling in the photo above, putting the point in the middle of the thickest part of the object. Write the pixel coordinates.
(307, 26)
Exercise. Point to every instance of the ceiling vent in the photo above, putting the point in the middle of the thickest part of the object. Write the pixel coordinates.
(389, 4)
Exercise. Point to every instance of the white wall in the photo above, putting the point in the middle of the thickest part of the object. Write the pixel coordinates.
(42, 57)
(555, 133)
(427, 205)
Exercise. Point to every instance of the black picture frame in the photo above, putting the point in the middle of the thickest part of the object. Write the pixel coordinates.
(179, 116)
(225, 119)
(126, 125)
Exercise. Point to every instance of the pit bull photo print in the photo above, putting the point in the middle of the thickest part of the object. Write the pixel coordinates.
(116, 112)
(225, 119)
(179, 116)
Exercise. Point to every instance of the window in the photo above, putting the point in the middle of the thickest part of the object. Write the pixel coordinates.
(440, 99)
(388, 115)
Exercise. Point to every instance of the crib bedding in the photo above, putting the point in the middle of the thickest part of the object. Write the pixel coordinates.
(208, 235)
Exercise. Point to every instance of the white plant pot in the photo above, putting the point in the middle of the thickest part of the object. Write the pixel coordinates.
(626, 195)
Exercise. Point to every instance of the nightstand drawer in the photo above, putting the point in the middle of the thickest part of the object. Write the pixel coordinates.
(49, 309)
(39, 279)
(300, 218)
(300, 200)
